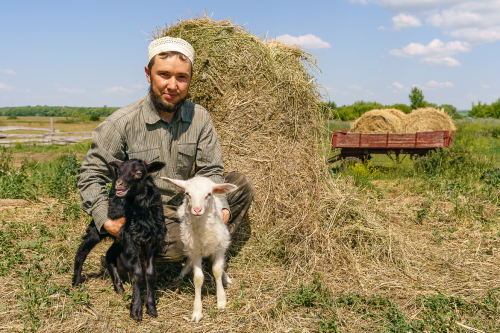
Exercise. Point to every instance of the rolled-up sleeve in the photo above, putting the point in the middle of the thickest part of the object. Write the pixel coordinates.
(107, 145)
(209, 158)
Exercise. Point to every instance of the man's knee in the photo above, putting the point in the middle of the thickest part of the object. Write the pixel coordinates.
(245, 185)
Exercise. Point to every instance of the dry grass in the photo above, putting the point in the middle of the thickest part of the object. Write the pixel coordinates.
(380, 121)
(428, 119)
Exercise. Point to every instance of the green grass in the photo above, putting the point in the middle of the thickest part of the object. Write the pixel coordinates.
(376, 313)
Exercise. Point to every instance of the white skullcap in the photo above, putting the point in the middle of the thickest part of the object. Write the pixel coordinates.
(167, 44)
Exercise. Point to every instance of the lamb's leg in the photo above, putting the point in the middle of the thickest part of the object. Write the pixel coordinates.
(90, 240)
(137, 276)
(218, 270)
(185, 270)
(112, 256)
(150, 281)
(198, 282)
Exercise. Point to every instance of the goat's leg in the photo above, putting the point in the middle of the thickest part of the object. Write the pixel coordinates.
(198, 282)
(90, 240)
(112, 256)
(150, 281)
(218, 270)
(137, 276)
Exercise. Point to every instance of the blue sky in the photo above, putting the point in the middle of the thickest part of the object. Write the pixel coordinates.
(92, 53)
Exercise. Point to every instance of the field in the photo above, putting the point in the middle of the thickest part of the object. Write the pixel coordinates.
(429, 262)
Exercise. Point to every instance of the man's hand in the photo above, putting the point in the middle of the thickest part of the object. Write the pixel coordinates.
(225, 215)
(113, 226)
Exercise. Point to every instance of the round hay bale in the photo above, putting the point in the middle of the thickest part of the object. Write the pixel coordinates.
(380, 121)
(428, 119)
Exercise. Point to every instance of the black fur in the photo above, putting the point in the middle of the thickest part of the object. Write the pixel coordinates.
(144, 227)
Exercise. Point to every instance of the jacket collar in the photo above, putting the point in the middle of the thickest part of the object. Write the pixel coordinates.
(152, 117)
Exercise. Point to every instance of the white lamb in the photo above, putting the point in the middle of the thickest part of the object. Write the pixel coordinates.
(203, 234)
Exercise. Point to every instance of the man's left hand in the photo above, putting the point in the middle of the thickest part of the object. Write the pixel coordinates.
(225, 215)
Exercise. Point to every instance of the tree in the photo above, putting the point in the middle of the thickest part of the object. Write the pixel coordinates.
(416, 98)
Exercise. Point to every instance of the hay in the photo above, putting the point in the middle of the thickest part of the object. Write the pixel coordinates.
(380, 121)
(428, 119)
(265, 106)
(396, 121)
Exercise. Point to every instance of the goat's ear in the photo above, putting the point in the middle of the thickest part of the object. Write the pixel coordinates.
(115, 164)
(224, 188)
(176, 182)
(155, 166)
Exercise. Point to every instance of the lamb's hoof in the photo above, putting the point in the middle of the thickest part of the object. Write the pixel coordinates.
(76, 283)
(136, 312)
(196, 317)
(151, 310)
(226, 282)
(221, 305)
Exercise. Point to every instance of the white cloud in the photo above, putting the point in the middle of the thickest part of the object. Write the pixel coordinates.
(436, 53)
(8, 71)
(418, 5)
(72, 91)
(307, 41)
(435, 84)
(382, 28)
(117, 89)
(436, 48)
(440, 62)
(403, 21)
(369, 92)
(398, 85)
(485, 86)
(477, 22)
(4, 86)
(355, 87)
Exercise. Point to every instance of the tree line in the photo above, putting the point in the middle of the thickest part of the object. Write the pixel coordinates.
(59, 111)
(417, 100)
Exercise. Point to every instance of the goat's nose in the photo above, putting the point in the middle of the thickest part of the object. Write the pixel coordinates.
(119, 182)
(197, 210)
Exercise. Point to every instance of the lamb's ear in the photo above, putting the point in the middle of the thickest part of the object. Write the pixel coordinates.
(155, 166)
(116, 164)
(176, 182)
(224, 188)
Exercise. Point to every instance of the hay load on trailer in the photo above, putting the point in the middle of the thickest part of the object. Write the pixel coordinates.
(380, 121)
(265, 106)
(428, 119)
(396, 121)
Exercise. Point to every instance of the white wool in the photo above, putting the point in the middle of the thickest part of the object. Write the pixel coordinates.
(206, 234)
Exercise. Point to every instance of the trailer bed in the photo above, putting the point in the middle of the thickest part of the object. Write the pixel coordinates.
(362, 145)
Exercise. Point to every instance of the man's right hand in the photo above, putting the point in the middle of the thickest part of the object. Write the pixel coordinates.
(113, 226)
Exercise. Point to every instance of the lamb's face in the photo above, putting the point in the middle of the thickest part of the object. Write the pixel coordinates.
(198, 194)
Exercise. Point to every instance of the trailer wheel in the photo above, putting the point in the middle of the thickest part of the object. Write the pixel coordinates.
(349, 163)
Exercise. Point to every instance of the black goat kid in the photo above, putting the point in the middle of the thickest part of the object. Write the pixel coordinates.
(136, 198)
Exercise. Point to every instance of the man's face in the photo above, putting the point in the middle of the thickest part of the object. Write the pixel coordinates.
(169, 78)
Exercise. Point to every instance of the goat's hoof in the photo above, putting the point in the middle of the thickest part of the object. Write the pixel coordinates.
(136, 313)
(151, 310)
(76, 281)
(196, 317)
(221, 305)
(119, 289)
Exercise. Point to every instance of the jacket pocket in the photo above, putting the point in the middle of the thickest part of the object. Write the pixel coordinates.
(186, 154)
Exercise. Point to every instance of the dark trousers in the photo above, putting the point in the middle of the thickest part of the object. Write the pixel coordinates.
(239, 202)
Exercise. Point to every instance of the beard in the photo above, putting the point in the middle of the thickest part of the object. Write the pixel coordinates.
(161, 105)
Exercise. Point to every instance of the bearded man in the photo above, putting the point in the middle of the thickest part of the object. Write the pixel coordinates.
(162, 126)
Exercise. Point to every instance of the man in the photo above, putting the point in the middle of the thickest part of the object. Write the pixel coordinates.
(162, 126)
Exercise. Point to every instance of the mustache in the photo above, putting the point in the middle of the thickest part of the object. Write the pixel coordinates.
(162, 106)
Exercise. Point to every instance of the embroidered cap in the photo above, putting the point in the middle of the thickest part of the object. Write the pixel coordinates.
(167, 44)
